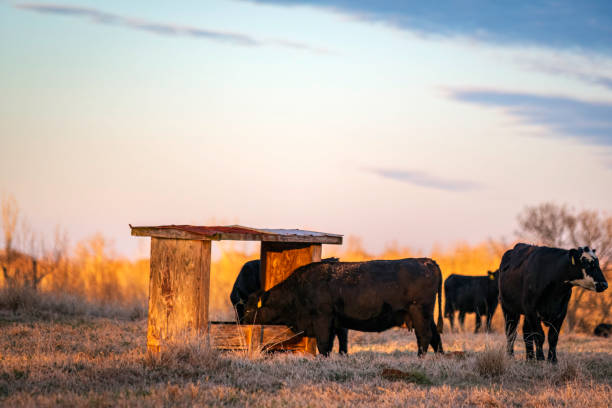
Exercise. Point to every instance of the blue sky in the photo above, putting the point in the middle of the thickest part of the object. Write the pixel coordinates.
(550, 23)
(391, 121)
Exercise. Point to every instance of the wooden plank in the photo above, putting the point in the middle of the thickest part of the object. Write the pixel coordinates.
(230, 336)
(278, 261)
(167, 233)
(176, 233)
(178, 289)
(277, 338)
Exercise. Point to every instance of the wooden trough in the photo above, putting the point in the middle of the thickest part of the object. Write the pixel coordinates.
(179, 285)
(230, 336)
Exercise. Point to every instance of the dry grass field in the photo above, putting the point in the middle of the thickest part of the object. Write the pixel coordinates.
(56, 359)
(79, 340)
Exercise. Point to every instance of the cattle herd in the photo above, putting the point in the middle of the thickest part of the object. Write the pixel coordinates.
(325, 299)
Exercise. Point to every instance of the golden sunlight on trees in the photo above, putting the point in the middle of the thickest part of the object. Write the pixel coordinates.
(10, 213)
(91, 271)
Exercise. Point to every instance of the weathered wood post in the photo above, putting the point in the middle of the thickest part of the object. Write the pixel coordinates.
(178, 289)
(278, 261)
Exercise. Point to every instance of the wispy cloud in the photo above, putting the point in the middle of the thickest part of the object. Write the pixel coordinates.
(422, 179)
(167, 29)
(601, 80)
(597, 71)
(590, 122)
(557, 24)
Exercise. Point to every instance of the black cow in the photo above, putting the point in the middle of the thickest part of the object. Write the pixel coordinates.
(537, 282)
(366, 296)
(603, 330)
(471, 294)
(248, 282)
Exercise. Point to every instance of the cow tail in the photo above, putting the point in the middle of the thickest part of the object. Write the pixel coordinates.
(440, 318)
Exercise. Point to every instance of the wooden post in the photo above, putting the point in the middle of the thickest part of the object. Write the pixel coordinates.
(279, 260)
(178, 289)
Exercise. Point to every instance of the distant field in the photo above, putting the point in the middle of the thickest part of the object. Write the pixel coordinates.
(100, 362)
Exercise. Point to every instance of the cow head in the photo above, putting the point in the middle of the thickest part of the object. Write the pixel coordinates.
(493, 286)
(266, 307)
(252, 313)
(585, 270)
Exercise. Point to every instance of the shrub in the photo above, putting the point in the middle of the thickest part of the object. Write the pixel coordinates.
(491, 362)
(567, 370)
(186, 355)
(413, 376)
(26, 301)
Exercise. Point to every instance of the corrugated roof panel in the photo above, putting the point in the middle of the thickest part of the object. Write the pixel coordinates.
(236, 232)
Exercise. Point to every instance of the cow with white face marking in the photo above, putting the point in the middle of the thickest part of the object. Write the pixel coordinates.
(537, 282)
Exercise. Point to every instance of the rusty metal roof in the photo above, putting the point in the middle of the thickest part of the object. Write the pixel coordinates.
(236, 232)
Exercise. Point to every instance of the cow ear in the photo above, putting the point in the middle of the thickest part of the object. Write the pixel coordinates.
(262, 296)
(491, 275)
(574, 255)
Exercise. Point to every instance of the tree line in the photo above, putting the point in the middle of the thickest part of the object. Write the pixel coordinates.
(90, 270)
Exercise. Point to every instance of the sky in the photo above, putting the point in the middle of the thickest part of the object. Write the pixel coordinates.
(392, 121)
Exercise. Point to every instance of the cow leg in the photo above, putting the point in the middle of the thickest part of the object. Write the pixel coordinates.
(478, 322)
(422, 327)
(489, 318)
(532, 331)
(330, 346)
(342, 334)
(536, 327)
(553, 337)
(511, 320)
(436, 341)
(449, 313)
(324, 334)
(528, 338)
(461, 319)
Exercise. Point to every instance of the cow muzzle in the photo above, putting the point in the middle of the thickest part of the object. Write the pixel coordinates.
(601, 286)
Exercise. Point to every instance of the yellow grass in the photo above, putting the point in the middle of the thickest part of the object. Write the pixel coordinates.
(94, 273)
(86, 361)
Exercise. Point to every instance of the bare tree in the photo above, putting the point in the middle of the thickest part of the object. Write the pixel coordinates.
(60, 245)
(26, 259)
(497, 247)
(57, 260)
(10, 215)
(34, 246)
(547, 224)
(559, 226)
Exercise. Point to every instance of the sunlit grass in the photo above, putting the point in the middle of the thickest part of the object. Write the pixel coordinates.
(85, 361)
